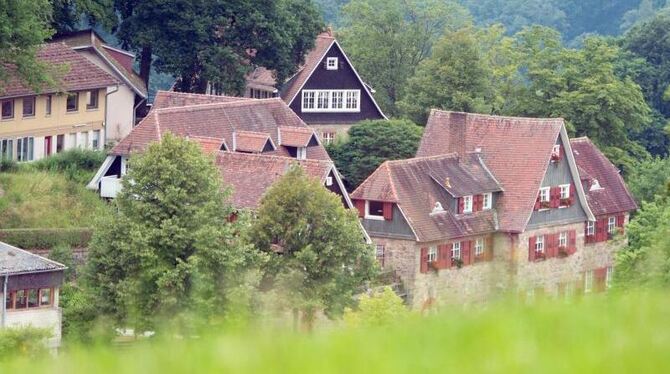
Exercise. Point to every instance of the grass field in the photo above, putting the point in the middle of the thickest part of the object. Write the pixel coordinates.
(42, 199)
(596, 335)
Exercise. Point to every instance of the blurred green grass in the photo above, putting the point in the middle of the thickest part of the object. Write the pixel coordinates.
(615, 334)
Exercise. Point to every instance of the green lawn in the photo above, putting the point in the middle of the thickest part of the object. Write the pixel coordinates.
(597, 335)
(43, 199)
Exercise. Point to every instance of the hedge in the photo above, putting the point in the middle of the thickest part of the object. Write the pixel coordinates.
(46, 238)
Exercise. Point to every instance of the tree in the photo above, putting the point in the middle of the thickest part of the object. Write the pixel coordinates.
(649, 178)
(379, 309)
(69, 15)
(24, 25)
(370, 143)
(517, 14)
(318, 255)
(170, 252)
(456, 77)
(388, 39)
(204, 42)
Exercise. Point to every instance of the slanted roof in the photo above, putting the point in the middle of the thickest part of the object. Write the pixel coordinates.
(210, 145)
(516, 151)
(413, 186)
(80, 74)
(253, 142)
(613, 195)
(297, 136)
(14, 260)
(217, 120)
(171, 99)
(118, 60)
(250, 175)
(322, 44)
(261, 78)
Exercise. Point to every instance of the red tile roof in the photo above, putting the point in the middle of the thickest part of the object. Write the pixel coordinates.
(516, 150)
(250, 175)
(417, 184)
(297, 136)
(250, 141)
(208, 144)
(261, 78)
(80, 74)
(322, 44)
(216, 120)
(613, 196)
(171, 99)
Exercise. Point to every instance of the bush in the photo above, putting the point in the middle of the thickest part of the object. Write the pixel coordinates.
(7, 165)
(25, 341)
(76, 164)
(46, 238)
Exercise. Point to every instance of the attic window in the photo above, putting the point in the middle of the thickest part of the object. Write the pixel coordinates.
(331, 63)
(374, 210)
(595, 185)
(467, 204)
(301, 153)
(488, 201)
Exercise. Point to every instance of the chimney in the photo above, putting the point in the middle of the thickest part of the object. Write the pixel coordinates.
(447, 182)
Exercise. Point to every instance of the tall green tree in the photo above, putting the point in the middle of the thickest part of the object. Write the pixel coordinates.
(170, 252)
(217, 42)
(370, 143)
(323, 260)
(24, 25)
(387, 40)
(71, 15)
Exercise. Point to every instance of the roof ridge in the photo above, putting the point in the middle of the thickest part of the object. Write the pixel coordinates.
(277, 157)
(256, 133)
(581, 139)
(422, 158)
(242, 101)
(484, 115)
(33, 255)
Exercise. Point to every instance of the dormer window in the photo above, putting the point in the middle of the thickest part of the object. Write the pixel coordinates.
(556, 152)
(595, 185)
(544, 194)
(467, 204)
(565, 191)
(301, 153)
(374, 210)
(332, 63)
(487, 201)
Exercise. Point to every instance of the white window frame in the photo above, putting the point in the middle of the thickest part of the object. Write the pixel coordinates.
(479, 247)
(556, 150)
(467, 204)
(590, 228)
(7, 149)
(456, 250)
(432, 254)
(332, 101)
(488, 201)
(23, 143)
(588, 281)
(565, 191)
(563, 239)
(539, 244)
(611, 224)
(609, 276)
(371, 216)
(328, 137)
(301, 153)
(332, 63)
(544, 194)
(95, 139)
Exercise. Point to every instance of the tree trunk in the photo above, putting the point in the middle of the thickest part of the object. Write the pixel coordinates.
(145, 64)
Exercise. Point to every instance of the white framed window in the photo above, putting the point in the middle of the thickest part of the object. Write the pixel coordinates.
(467, 204)
(563, 239)
(7, 149)
(590, 228)
(609, 276)
(565, 191)
(328, 137)
(84, 139)
(331, 63)
(556, 150)
(539, 244)
(331, 101)
(588, 281)
(301, 153)
(544, 194)
(24, 149)
(374, 210)
(432, 254)
(96, 139)
(479, 247)
(611, 224)
(456, 250)
(329, 181)
(488, 201)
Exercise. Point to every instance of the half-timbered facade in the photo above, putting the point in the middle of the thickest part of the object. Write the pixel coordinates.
(493, 205)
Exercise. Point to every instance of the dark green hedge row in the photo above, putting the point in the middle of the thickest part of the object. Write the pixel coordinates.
(46, 238)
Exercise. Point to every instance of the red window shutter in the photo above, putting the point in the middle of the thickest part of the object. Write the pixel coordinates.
(551, 245)
(572, 194)
(560, 152)
(388, 211)
(538, 204)
(556, 201)
(446, 251)
(619, 220)
(424, 260)
(600, 230)
(480, 203)
(461, 205)
(531, 248)
(572, 242)
(360, 206)
(488, 248)
(465, 252)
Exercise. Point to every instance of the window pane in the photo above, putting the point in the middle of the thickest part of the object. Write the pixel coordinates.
(72, 102)
(376, 208)
(21, 299)
(28, 106)
(7, 109)
(32, 298)
(92, 99)
(45, 296)
(8, 300)
(48, 106)
(322, 99)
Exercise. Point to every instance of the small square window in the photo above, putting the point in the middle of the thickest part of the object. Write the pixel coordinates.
(544, 194)
(7, 109)
(92, 102)
(29, 106)
(565, 191)
(374, 209)
(488, 201)
(328, 137)
(332, 63)
(467, 204)
(456, 250)
(72, 103)
(432, 254)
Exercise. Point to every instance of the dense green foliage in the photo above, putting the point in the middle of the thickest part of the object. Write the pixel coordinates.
(370, 143)
(46, 238)
(78, 165)
(169, 251)
(599, 334)
(324, 260)
(23, 28)
(28, 342)
(39, 199)
(383, 308)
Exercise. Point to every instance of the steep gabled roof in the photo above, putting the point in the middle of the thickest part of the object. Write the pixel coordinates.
(250, 175)
(322, 44)
(595, 169)
(171, 99)
(18, 261)
(81, 74)
(217, 120)
(297, 136)
(251, 141)
(516, 150)
(412, 184)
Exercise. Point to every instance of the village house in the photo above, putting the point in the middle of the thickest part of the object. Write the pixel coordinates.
(254, 142)
(128, 102)
(29, 286)
(494, 205)
(72, 114)
(327, 92)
